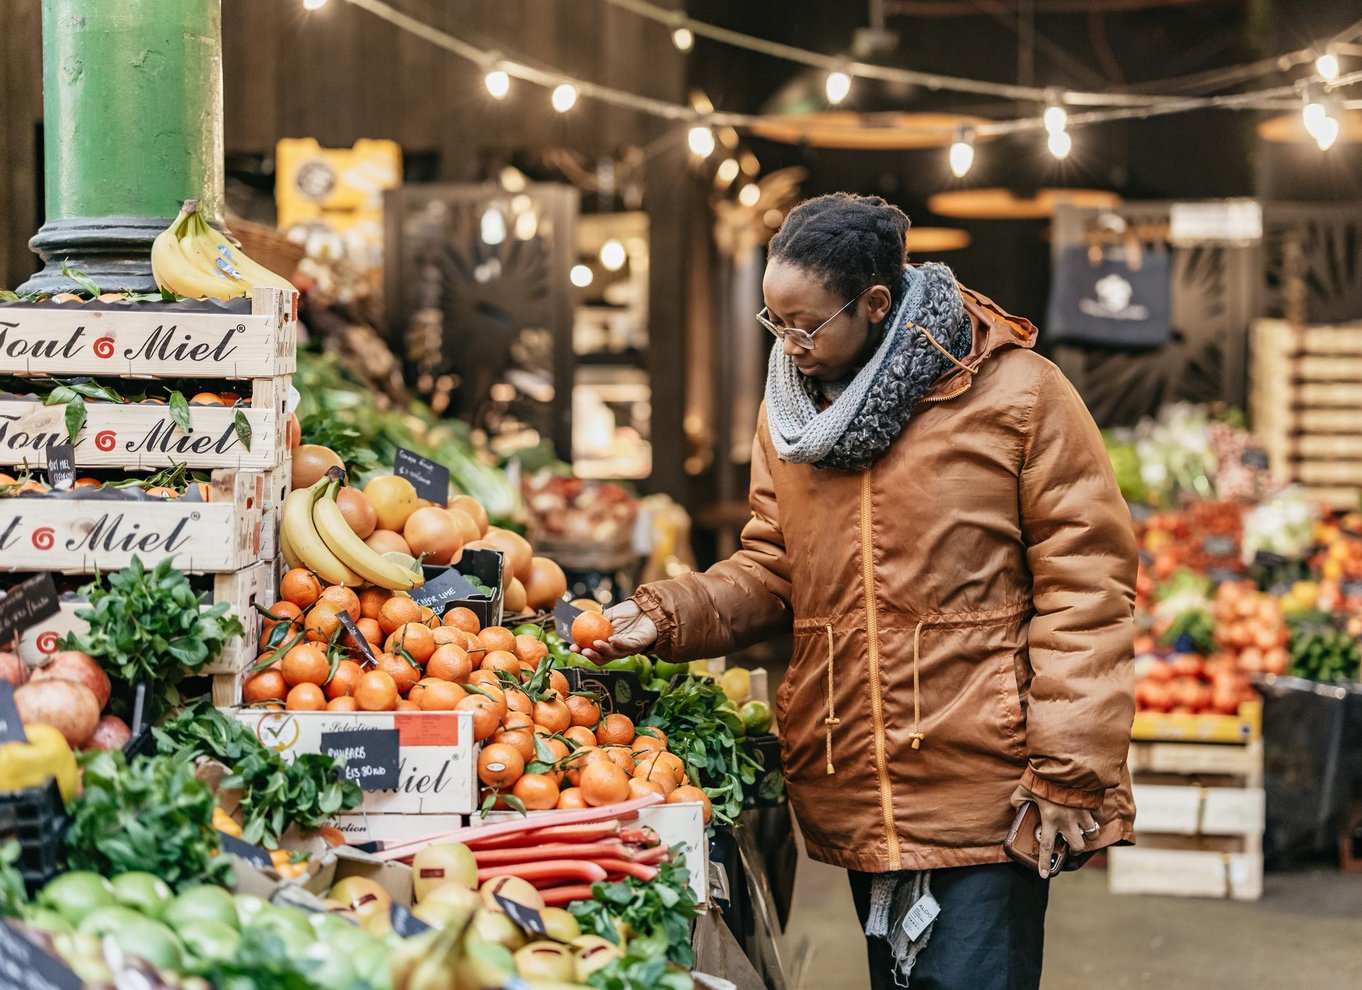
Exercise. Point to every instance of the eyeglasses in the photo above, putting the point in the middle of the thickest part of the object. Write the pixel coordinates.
(802, 338)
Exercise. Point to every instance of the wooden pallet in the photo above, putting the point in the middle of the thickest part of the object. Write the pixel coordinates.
(151, 340)
(1200, 818)
(140, 437)
(242, 589)
(80, 536)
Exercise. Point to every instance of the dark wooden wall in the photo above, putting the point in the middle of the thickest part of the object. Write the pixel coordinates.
(340, 74)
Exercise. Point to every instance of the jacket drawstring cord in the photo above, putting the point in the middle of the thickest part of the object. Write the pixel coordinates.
(832, 718)
(917, 735)
(940, 347)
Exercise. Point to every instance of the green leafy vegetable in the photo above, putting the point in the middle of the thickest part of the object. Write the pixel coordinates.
(274, 793)
(152, 815)
(242, 426)
(179, 411)
(75, 417)
(13, 895)
(150, 627)
(699, 723)
(658, 912)
(87, 284)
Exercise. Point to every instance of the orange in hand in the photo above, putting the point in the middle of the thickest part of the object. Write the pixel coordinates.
(589, 627)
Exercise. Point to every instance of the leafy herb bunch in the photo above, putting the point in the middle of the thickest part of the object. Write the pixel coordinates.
(152, 815)
(274, 793)
(654, 918)
(149, 626)
(689, 713)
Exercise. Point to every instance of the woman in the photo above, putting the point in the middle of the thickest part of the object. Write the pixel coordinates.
(934, 515)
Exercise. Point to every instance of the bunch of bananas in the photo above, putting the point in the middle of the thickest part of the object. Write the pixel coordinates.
(314, 534)
(191, 259)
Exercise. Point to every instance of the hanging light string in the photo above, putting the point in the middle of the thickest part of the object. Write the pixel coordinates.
(1281, 98)
(931, 80)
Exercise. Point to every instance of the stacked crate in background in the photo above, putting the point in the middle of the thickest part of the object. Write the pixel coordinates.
(228, 543)
(1201, 807)
(1305, 396)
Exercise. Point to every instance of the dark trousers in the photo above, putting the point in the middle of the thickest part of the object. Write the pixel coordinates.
(989, 935)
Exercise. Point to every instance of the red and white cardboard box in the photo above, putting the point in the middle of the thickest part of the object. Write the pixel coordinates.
(437, 757)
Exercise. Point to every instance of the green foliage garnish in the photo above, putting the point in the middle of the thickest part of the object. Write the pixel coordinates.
(152, 815)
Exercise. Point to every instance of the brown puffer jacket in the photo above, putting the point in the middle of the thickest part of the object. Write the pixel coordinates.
(962, 616)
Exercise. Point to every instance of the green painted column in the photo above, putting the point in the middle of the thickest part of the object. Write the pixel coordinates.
(132, 119)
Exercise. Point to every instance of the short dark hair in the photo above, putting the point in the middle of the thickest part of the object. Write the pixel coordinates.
(848, 241)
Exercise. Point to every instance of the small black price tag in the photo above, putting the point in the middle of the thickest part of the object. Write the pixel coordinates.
(369, 756)
(1218, 546)
(563, 614)
(61, 466)
(1256, 458)
(430, 480)
(407, 924)
(526, 917)
(348, 624)
(27, 604)
(450, 586)
(24, 964)
(244, 850)
(11, 725)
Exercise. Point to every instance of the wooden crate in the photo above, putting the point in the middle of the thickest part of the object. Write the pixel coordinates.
(1244, 726)
(276, 485)
(1305, 391)
(1200, 818)
(80, 536)
(140, 437)
(151, 340)
(241, 589)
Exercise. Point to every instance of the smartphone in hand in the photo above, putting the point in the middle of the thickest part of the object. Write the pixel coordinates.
(1023, 840)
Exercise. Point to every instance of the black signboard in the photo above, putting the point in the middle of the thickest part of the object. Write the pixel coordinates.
(1256, 458)
(619, 690)
(430, 480)
(61, 466)
(563, 614)
(11, 725)
(407, 924)
(244, 850)
(526, 917)
(26, 966)
(27, 604)
(348, 624)
(369, 756)
(448, 586)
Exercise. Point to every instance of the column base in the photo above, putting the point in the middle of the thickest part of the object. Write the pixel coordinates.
(115, 252)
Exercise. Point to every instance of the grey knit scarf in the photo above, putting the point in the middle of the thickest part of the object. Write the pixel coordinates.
(869, 411)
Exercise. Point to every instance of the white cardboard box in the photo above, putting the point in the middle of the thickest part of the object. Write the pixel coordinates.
(437, 758)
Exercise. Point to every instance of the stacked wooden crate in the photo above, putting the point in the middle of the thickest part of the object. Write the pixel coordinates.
(229, 541)
(1200, 810)
(1305, 396)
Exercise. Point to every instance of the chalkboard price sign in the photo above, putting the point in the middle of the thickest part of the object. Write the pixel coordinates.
(369, 756)
(430, 480)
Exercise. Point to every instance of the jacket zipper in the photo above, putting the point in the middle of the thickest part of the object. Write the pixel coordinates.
(872, 626)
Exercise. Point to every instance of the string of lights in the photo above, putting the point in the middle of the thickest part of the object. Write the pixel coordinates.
(1318, 98)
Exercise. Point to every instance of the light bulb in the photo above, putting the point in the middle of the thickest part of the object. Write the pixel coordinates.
(701, 141)
(580, 276)
(1060, 144)
(564, 97)
(1314, 115)
(961, 155)
(498, 83)
(493, 226)
(1326, 133)
(1056, 118)
(837, 87)
(1327, 66)
(750, 194)
(613, 255)
(313, 4)
(728, 170)
(683, 38)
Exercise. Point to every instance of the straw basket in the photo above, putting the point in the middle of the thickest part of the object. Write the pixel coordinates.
(268, 247)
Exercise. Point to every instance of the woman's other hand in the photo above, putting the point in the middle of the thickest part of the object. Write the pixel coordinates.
(634, 633)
